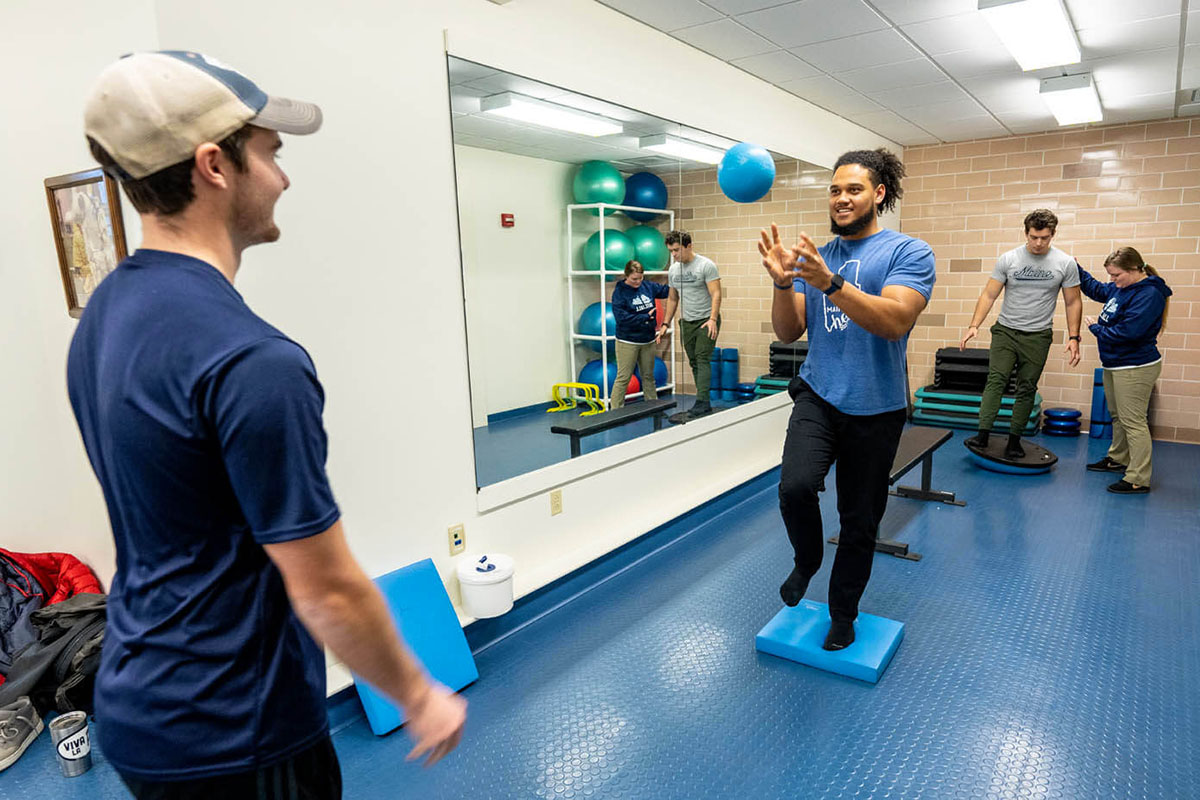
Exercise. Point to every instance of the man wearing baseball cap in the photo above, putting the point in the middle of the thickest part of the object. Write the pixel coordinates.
(203, 425)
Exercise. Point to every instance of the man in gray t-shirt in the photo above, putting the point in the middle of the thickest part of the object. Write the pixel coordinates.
(1030, 277)
(696, 290)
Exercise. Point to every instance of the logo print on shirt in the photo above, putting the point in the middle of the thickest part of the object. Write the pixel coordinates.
(1110, 309)
(835, 318)
(1031, 273)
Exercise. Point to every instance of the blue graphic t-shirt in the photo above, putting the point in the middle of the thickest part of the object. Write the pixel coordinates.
(203, 425)
(855, 371)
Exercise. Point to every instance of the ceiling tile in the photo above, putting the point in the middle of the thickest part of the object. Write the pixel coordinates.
(892, 76)
(1193, 27)
(932, 114)
(666, 15)
(858, 51)
(1146, 106)
(777, 66)
(1116, 39)
(904, 12)
(1191, 67)
(462, 71)
(819, 89)
(982, 61)
(504, 82)
(926, 94)
(888, 124)
(1090, 13)
(956, 130)
(725, 39)
(1135, 73)
(808, 21)
(1005, 93)
(732, 7)
(951, 34)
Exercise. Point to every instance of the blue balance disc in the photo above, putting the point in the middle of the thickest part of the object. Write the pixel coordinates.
(1061, 413)
(1037, 458)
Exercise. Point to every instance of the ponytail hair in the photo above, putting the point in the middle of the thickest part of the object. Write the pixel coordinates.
(1130, 260)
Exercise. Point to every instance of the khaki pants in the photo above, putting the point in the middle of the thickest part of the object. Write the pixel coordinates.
(1127, 393)
(629, 355)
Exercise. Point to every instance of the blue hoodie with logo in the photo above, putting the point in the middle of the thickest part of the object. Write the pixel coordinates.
(1127, 329)
(631, 309)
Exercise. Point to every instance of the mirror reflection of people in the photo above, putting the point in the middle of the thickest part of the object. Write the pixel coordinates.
(1030, 277)
(857, 296)
(203, 424)
(696, 290)
(636, 313)
(1135, 301)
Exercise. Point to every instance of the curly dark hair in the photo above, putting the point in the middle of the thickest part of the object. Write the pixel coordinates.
(884, 167)
(682, 238)
(1040, 219)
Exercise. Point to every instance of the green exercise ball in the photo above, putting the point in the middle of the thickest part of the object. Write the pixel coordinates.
(599, 182)
(649, 247)
(617, 250)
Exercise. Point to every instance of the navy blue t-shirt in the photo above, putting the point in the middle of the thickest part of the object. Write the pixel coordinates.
(850, 368)
(203, 425)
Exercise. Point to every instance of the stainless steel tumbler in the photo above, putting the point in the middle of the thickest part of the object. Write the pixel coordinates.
(69, 732)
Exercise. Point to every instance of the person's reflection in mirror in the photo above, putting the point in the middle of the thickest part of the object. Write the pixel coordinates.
(636, 314)
(857, 296)
(696, 291)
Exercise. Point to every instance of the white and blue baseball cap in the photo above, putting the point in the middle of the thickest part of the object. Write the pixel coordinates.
(152, 110)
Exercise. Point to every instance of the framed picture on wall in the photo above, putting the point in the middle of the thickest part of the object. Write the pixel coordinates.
(89, 232)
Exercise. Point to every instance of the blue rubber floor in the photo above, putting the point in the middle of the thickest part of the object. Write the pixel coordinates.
(1052, 651)
(522, 443)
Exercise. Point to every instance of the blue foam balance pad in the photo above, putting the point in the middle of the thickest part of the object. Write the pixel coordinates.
(797, 634)
(425, 618)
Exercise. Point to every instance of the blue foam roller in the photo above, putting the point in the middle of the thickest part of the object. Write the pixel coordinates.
(797, 634)
(425, 617)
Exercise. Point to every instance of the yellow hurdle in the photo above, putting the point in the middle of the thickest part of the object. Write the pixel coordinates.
(591, 396)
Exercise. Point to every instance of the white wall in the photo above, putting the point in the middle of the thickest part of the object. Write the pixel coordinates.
(369, 219)
(515, 283)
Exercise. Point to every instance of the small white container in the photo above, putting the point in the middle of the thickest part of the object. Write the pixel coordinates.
(486, 583)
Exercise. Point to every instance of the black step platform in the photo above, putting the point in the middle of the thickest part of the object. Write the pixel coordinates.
(578, 427)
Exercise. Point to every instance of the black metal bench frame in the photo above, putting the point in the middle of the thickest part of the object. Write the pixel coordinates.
(902, 465)
(578, 427)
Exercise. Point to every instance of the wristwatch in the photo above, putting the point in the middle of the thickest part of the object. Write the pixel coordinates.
(835, 283)
(1076, 338)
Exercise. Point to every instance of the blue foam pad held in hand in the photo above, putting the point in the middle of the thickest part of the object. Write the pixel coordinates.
(797, 634)
(425, 618)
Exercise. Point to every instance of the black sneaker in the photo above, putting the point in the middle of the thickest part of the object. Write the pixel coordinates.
(1106, 464)
(1125, 487)
(678, 418)
(697, 411)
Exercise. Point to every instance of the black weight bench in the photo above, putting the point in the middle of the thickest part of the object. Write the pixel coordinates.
(917, 445)
(578, 427)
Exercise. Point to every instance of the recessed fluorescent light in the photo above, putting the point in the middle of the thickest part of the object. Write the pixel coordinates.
(511, 105)
(681, 148)
(1072, 99)
(1038, 33)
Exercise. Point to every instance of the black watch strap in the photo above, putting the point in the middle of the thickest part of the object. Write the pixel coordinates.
(1076, 338)
(834, 284)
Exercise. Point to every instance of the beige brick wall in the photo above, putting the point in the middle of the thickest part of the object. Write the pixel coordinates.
(1135, 184)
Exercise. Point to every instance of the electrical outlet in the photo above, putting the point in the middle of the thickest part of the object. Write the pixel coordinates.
(458, 539)
(556, 502)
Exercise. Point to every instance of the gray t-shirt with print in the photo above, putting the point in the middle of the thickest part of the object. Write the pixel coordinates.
(1031, 286)
(691, 281)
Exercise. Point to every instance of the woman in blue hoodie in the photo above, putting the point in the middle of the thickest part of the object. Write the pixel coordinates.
(636, 313)
(1134, 313)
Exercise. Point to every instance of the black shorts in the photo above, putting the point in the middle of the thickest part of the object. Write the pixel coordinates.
(311, 774)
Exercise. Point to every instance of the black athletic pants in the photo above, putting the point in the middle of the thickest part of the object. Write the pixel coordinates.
(311, 774)
(863, 447)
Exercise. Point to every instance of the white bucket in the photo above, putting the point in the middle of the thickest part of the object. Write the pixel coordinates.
(486, 583)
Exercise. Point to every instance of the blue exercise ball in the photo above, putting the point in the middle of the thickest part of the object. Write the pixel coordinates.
(660, 372)
(589, 325)
(646, 190)
(598, 182)
(618, 249)
(746, 172)
(648, 247)
(591, 373)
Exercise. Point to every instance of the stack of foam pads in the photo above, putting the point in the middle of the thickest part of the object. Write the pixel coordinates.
(953, 399)
(1060, 422)
(785, 365)
(724, 383)
(1100, 423)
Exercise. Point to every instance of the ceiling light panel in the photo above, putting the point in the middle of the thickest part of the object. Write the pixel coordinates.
(1038, 33)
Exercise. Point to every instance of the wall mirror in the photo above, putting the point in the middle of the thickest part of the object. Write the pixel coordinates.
(538, 281)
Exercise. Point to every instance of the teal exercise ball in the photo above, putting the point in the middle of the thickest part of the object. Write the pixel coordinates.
(618, 249)
(589, 325)
(648, 247)
(746, 173)
(599, 182)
